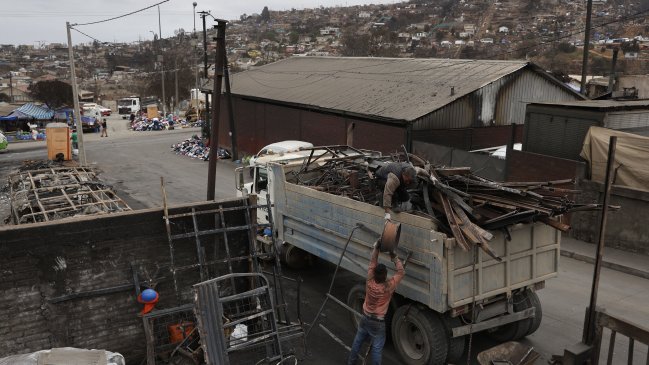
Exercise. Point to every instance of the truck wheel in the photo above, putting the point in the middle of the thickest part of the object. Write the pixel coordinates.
(355, 300)
(419, 336)
(516, 330)
(294, 257)
(534, 301)
(457, 345)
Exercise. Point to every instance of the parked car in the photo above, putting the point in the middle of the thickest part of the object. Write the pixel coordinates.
(104, 111)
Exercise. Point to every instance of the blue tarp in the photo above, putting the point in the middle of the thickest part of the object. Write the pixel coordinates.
(8, 119)
(33, 111)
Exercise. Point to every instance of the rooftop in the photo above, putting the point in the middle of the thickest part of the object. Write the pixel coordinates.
(600, 104)
(392, 89)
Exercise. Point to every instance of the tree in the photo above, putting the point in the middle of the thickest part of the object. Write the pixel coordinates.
(265, 14)
(566, 47)
(5, 98)
(54, 93)
(355, 45)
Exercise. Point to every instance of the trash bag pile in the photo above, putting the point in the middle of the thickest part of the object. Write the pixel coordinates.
(153, 124)
(195, 148)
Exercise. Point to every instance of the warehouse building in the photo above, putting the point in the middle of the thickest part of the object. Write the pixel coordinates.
(383, 103)
(559, 129)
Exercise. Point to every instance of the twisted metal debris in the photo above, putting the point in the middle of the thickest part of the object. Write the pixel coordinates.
(463, 205)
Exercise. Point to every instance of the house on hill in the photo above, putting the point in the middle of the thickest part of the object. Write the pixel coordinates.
(383, 103)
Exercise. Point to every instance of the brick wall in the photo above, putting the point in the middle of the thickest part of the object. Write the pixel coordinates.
(40, 262)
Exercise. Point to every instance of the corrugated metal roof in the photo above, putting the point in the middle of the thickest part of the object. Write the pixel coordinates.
(600, 104)
(390, 88)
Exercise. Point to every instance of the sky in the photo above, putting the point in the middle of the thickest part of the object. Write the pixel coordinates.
(43, 21)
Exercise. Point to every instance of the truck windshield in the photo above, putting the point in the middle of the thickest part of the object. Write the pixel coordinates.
(124, 102)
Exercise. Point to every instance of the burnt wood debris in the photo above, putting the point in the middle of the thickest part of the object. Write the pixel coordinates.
(46, 193)
(461, 203)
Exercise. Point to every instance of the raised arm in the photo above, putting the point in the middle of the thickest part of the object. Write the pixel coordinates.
(373, 260)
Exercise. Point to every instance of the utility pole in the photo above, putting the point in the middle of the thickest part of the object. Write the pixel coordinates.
(207, 97)
(195, 36)
(611, 77)
(75, 98)
(176, 82)
(162, 68)
(216, 94)
(233, 131)
(11, 86)
(584, 63)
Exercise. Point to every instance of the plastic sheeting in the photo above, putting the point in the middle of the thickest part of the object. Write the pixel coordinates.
(65, 356)
(631, 152)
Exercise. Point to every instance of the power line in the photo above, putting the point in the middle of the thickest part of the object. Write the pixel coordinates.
(89, 36)
(122, 16)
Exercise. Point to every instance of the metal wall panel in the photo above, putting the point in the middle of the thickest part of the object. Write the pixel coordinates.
(623, 120)
(501, 102)
(259, 124)
(557, 136)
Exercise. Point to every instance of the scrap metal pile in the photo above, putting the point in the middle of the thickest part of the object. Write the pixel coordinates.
(463, 205)
(48, 194)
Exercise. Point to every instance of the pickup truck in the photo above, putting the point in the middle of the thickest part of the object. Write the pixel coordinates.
(447, 293)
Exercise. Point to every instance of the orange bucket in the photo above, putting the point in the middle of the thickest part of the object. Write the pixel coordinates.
(176, 331)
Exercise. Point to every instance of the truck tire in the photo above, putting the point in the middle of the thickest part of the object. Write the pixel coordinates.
(419, 336)
(294, 257)
(517, 330)
(356, 298)
(457, 345)
(534, 301)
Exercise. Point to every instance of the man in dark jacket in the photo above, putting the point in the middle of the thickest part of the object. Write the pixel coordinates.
(395, 178)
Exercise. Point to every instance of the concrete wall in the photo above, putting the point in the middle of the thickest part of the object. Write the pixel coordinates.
(40, 262)
(528, 166)
(483, 165)
(626, 229)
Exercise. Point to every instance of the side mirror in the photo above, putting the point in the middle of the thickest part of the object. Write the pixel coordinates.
(238, 180)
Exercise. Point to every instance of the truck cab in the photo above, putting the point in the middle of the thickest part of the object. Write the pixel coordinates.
(280, 152)
(127, 106)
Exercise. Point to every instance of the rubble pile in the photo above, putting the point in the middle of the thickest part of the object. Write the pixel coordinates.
(195, 148)
(463, 205)
(54, 193)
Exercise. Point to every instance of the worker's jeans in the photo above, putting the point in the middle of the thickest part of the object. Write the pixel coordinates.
(374, 330)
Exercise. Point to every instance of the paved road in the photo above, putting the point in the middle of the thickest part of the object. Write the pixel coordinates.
(134, 162)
